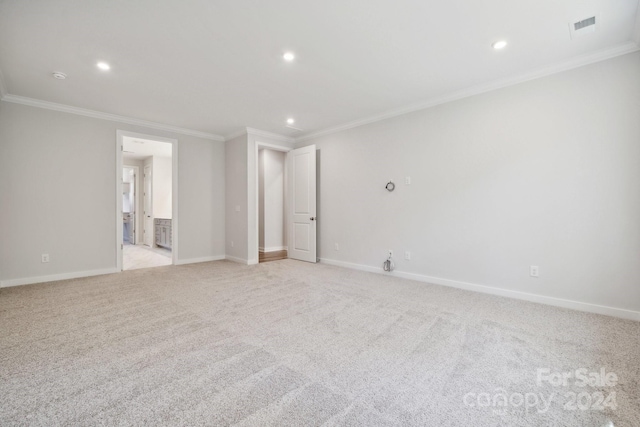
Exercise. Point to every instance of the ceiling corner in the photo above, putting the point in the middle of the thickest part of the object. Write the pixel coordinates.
(235, 135)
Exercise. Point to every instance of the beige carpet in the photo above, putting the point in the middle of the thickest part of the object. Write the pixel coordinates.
(287, 343)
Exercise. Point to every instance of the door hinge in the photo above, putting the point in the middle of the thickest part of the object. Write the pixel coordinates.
(121, 245)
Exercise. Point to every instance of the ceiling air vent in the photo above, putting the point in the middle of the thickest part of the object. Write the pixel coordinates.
(582, 27)
(584, 23)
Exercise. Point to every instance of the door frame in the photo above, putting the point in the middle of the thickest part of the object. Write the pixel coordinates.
(136, 185)
(255, 252)
(144, 196)
(120, 134)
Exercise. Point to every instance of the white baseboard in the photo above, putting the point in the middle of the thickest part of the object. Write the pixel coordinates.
(197, 260)
(557, 302)
(234, 259)
(55, 277)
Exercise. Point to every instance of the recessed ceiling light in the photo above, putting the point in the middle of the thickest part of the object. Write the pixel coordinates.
(289, 56)
(60, 76)
(499, 45)
(103, 66)
(290, 121)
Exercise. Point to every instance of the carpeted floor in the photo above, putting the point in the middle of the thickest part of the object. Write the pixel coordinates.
(290, 343)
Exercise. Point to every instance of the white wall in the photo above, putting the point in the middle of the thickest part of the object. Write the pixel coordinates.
(271, 199)
(236, 199)
(542, 173)
(162, 183)
(36, 148)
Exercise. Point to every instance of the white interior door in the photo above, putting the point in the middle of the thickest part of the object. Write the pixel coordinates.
(148, 219)
(302, 207)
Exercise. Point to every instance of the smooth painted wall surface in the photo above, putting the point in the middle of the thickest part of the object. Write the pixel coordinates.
(42, 154)
(274, 200)
(271, 199)
(236, 198)
(162, 183)
(543, 173)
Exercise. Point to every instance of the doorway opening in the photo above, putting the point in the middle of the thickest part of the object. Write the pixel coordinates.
(147, 227)
(271, 208)
(299, 230)
(130, 190)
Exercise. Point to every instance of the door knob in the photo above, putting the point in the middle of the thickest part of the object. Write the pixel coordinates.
(313, 218)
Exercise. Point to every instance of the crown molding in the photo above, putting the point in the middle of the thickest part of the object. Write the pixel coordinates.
(235, 135)
(260, 133)
(270, 135)
(106, 116)
(576, 62)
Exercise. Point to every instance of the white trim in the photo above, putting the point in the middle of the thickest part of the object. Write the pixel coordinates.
(147, 200)
(541, 299)
(120, 134)
(269, 135)
(235, 259)
(55, 277)
(175, 224)
(273, 249)
(576, 62)
(119, 225)
(107, 116)
(274, 147)
(198, 260)
(235, 135)
(260, 134)
(136, 186)
(138, 217)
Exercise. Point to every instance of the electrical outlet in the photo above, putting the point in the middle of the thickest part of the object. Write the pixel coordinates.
(45, 257)
(337, 247)
(534, 271)
(407, 255)
(232, 243)
(407, 180)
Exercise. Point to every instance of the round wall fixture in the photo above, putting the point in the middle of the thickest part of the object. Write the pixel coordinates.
(390, 186)
(60, 76)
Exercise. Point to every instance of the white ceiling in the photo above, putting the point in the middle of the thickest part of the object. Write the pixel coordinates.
(138, 148)
(216, 66)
